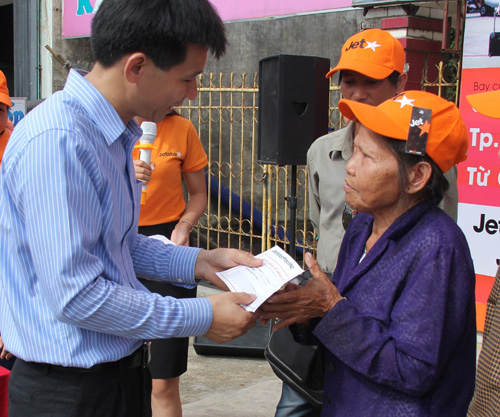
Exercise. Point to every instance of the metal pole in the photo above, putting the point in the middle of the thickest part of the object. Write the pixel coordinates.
(292, 204)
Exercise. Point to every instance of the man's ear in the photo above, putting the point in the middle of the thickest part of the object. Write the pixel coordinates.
(418, 177)
(134, 66)
(403, 78)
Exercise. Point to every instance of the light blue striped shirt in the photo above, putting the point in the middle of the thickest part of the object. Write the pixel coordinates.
(69, 247)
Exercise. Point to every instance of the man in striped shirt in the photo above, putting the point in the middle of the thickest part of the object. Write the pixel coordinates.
(71, 308)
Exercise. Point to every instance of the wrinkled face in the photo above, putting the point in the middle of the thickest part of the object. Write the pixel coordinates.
(4, 116)
(162, 90)
(358, 87)
(372, 182)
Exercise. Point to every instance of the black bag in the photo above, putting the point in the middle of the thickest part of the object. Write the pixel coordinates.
(300, 366)
(494, 47)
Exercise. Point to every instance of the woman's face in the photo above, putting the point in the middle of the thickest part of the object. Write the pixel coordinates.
(372, 183)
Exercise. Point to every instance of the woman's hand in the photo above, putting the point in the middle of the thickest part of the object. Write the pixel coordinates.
(143, 171)
(298, 304)
(180, 234)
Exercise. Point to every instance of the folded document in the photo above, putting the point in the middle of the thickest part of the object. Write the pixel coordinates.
(278, 269)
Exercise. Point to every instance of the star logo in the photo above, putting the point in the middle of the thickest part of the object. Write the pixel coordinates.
(424, 128)
(405, 101)
(179, 154)
(372, 45)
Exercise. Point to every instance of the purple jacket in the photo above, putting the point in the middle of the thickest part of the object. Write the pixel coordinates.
(403, 342)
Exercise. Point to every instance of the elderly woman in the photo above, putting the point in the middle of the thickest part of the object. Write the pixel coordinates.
(398, 320)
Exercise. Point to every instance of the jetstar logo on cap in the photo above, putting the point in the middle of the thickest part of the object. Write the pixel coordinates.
(418, 132)
(418, 122)
(430, 125)
(375, 53)
(363, 44)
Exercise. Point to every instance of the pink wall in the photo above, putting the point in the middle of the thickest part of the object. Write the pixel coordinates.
(244, 9)
(77, 14)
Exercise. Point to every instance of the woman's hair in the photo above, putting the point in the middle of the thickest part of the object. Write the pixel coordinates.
(437, 184)
(161, 29)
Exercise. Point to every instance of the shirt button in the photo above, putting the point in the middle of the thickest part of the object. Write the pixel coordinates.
(327, 399)
(331, 368)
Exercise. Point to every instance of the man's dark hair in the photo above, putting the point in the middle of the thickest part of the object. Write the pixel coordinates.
(161, 29)
(394, 77)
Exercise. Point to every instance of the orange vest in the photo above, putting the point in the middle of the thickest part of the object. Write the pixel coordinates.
(179, 150)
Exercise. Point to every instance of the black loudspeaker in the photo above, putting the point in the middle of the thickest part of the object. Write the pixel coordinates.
(252, 344)
(293, 107)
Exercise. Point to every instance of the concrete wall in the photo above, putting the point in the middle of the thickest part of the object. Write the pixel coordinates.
(319, 34)
(75, 51)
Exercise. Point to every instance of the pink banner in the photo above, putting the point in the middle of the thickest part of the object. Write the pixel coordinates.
(77, 14)
(479, 175)
(244, 9)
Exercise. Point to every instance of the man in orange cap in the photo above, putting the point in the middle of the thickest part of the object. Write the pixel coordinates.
(371, 70)
(5, 124)
(486, 400)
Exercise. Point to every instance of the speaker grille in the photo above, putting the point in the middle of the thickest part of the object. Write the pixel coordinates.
(293, 107)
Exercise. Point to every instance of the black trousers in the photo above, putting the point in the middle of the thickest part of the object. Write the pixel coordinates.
(43, 390)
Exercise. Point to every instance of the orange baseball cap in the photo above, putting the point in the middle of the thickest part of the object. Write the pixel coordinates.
(372, 52)
(447, 141)
(4, 91)
(486, 103)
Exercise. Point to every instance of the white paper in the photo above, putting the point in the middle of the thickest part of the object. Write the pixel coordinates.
(278, 268)
(163, 239)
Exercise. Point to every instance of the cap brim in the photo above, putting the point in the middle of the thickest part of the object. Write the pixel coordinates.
(367, 68)
(373, 118)
(5, 99)
(487, 104)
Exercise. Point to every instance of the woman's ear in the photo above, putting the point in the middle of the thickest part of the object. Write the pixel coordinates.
(418, 177)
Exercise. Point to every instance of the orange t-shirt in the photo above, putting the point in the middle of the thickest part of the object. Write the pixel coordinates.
(179, 149)
(4, 138)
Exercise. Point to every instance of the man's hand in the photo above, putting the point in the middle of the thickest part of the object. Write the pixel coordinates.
(299, 304)
(3, 353)
(211, 261)
(143, 171)
(230, 320)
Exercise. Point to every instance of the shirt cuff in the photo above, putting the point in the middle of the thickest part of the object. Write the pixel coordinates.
(198, 313)
(182, 263)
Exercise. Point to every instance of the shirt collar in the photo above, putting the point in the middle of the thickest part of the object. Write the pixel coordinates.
(100, 110)
(344, 143)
